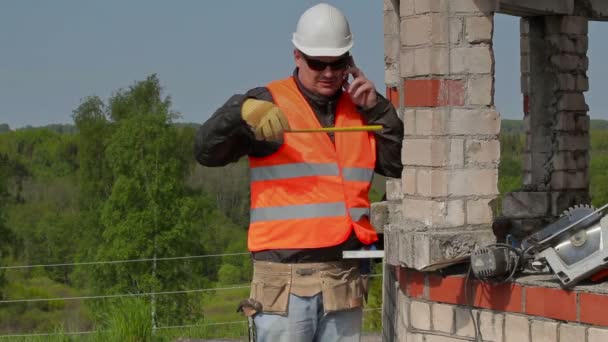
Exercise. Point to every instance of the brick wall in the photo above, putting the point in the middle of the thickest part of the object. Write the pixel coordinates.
(439, 64)
(532, 309)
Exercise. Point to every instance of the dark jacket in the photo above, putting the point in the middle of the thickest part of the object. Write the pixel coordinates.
(225, 138)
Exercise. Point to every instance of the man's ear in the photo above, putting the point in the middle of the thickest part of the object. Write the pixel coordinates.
(297, 57)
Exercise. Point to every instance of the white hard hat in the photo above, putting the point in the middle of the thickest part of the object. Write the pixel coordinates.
(323, 31)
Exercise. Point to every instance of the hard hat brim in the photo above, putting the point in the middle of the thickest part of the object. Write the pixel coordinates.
(323, 52)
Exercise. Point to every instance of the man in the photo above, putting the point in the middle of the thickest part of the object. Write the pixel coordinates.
(309, 191)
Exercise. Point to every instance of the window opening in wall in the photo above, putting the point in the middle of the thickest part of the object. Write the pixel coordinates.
(508, 101)
(598, 112)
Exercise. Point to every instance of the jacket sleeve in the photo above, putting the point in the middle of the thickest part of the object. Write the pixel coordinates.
(225, 137)
(389, 140)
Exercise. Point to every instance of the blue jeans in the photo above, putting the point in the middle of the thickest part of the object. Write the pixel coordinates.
(306, 322)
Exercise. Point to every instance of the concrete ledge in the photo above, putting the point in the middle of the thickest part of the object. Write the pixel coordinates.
(599, 10)
(536, 7)
(593, 9)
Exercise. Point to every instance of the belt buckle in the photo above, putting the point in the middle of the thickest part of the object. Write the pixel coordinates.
(305, 271)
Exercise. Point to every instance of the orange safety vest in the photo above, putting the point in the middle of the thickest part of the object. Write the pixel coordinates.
(312, 193)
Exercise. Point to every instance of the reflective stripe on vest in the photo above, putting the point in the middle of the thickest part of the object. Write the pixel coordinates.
(298, 211)
(305, 211)
(357, 174)
(293, 171)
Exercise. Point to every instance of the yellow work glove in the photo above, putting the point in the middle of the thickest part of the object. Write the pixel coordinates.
(267, 120)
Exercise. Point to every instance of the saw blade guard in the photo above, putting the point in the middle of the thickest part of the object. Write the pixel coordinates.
(579, 249)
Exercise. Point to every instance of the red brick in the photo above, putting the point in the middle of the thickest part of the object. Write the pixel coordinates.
(447, 290)
(434, 93)
(500, 297)
(453, 93)
(415, 284)
(551, 303)
(392, 94)
(593, 308)
(526, 104)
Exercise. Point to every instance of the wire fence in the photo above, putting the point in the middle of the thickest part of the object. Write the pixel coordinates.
(186, 326)
(120, 261)
(122, 295)
(91, 297)
(105, 331)
(69, 333)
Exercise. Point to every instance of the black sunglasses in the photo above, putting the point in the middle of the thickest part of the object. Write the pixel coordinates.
(337, 65)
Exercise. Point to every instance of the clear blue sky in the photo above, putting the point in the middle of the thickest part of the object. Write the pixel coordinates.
(54, 53)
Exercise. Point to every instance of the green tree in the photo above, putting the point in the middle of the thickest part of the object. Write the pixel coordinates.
(229, 275)
(149, 212)
(94, 174)
(4, 231)
(229, 187)
(45, 153)
(598, 167)
(94, 179)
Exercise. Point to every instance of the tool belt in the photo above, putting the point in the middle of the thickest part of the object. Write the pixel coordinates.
(340, 283)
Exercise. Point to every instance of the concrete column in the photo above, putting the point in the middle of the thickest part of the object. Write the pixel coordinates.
(450, 151)
(554, 77)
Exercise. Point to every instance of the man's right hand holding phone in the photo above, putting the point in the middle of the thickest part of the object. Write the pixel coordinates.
(362, 91)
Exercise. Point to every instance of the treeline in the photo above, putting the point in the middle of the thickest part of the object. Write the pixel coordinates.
(121, 185)
(510, 126)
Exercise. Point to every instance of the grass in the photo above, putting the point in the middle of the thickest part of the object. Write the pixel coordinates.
(372, 318)
(231, 330)
(221, 306)
(129, 319)
(40, 316)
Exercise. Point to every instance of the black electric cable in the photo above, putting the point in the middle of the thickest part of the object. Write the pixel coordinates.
(471, 305)
(519, 257)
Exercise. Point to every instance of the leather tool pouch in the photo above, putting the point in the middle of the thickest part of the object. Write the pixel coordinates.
(340, 283)
(271, 288)
(342, 289)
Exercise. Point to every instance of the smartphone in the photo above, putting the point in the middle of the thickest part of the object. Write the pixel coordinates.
(351, 62)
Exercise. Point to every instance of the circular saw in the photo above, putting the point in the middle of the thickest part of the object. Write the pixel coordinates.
(575, 246)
